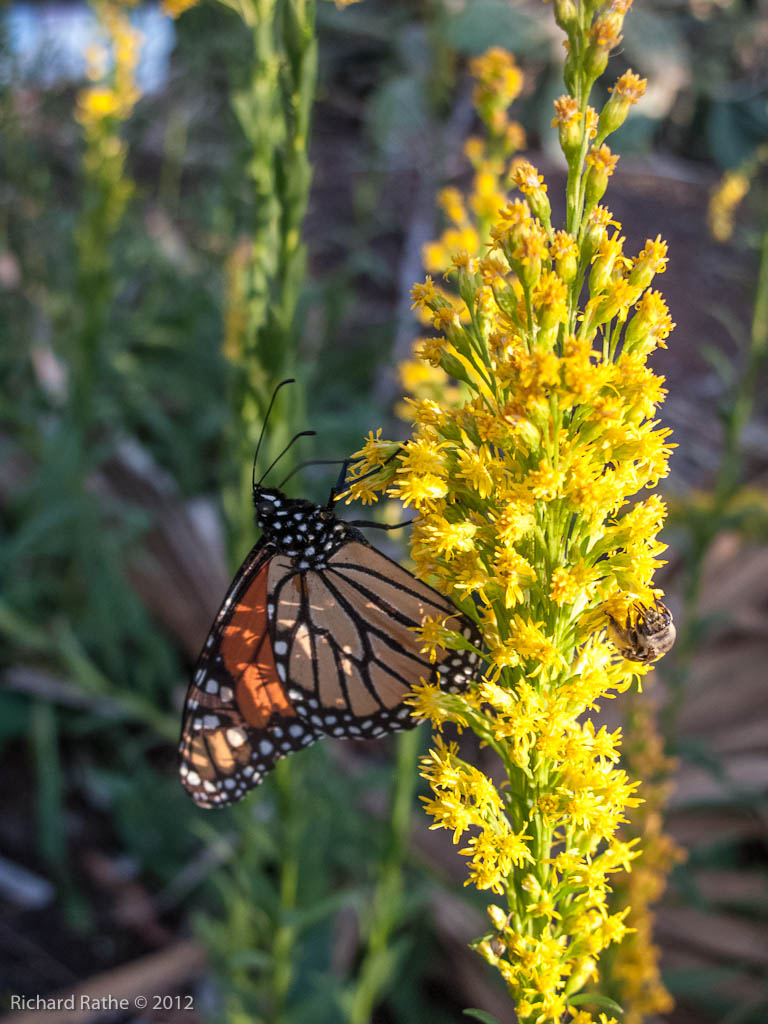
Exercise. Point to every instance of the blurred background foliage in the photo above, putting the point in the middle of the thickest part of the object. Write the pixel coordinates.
(322, 898)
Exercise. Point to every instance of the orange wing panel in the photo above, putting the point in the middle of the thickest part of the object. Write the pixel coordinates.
(247, 654)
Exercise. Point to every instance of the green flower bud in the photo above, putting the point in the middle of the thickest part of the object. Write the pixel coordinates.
(566, 15)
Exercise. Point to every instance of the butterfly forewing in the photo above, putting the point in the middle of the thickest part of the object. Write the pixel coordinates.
(238, 720)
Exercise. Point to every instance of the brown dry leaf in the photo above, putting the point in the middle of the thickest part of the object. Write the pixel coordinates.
(179, 569)
(705, 826)
(742, 776)
(727, 686)
(725, 937)
(733, 887)
(158, 973)
(746, 736)
(735, 576)
(725, 717)
(737, 987)
(132, 906)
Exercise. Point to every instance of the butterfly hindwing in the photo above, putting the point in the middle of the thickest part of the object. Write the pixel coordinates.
(345, 641)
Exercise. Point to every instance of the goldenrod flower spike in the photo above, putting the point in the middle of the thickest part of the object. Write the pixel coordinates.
(102, 106)
(102, 109)
(535, 442)
(726, 197)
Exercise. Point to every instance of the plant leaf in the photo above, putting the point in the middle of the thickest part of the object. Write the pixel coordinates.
(481, 1015)
(595, 999)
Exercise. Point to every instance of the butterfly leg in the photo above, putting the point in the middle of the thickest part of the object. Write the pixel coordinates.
(343, 476)
(380, 526)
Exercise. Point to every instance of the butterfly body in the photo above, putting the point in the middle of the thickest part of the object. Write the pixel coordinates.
(316, 637)
(299, 529)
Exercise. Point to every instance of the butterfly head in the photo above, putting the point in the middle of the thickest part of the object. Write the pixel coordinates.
(297, 527)
(271, 506)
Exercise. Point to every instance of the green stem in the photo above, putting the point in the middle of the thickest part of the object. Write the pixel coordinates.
(744, 398)
(273, 110)
(386, 909)
(49, 810)
(285, 932)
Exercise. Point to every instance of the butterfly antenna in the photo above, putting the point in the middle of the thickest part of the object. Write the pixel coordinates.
(294, 439)
(288, 380)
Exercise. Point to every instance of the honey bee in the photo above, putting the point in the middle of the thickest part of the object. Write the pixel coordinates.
(649, 638)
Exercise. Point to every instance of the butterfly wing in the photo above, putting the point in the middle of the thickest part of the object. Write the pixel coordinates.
(237, 719)
(297, 654)
(344, 641)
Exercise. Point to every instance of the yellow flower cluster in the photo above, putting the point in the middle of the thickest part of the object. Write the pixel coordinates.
(103, 106)
(724, 201)
(498, 82)
(634, 963)
(117, 97)
(469, 219)
(528, 481)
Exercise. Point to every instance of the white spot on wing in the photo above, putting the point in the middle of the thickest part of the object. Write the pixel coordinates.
(236, 737)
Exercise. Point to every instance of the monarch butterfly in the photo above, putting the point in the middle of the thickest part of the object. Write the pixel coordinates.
(315, 637)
